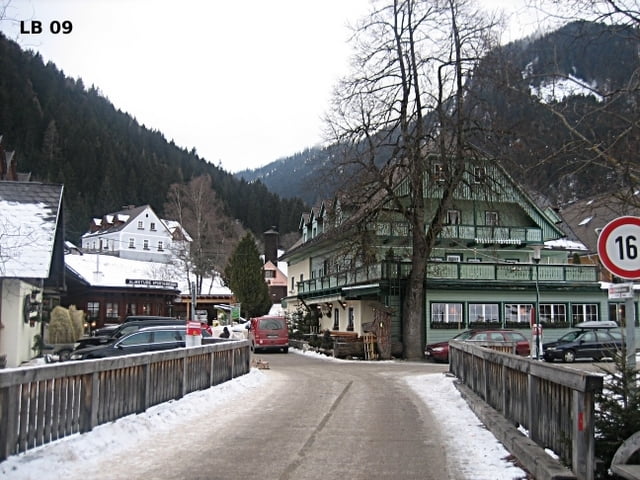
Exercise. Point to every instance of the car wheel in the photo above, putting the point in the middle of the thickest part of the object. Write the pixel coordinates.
(569, 356)
(285, 349)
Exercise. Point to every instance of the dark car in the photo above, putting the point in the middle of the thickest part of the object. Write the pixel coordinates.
(595, 340)
(125, 329)
(108, 329)
(439, 352)
(148, 339)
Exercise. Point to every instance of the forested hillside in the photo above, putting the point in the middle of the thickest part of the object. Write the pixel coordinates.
(514, 88)
(64, 132)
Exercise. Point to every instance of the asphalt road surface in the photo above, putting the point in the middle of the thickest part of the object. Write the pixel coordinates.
(312, 420)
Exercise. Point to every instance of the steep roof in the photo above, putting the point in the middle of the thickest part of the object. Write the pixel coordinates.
(30, 215)
(588, 217)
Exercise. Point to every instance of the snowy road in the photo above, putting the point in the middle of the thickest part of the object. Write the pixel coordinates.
(306, 419)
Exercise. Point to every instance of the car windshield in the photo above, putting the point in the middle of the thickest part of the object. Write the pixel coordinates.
(271, 324)
(570, 337)
(463, 335)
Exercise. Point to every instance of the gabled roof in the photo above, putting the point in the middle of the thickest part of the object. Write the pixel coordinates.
(587, 218)
(30, 215)
(116, 221)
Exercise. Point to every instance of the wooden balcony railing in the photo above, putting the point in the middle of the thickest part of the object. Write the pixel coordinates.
(523, 273)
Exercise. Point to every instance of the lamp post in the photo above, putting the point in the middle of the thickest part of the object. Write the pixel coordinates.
(536, 328)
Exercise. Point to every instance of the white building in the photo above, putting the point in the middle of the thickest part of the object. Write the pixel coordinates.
(136, 233)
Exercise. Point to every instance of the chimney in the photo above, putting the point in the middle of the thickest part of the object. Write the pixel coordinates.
(271, 245)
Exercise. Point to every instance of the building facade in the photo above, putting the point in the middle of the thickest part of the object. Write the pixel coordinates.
(136, 233)
(499, 261)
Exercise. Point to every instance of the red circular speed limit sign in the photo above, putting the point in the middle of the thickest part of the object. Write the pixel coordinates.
(619, 247)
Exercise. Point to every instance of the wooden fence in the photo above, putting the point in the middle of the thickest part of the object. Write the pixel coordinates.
(41, 404)
(554, 404)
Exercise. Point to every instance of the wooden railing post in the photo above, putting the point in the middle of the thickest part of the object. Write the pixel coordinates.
(8, 420)
(583, 451)
(90, 402)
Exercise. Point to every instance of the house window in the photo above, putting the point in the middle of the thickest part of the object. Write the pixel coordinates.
(453, 217)
(454, 258)
(131, 309)
(350, 321)
(481, 314)
(140, 225)
(584, 312)
(517, 314)
(112, 310)
(617, 313)
(336, 319)
(152, 226)
(146, 309)
(438, 172)
(553, 315)
(293, 284)
(269, 274)
(93, 310)
(446, 315)
(145, 244)
(491, 218)
(132, 243)
(160, 246)
(479, 175)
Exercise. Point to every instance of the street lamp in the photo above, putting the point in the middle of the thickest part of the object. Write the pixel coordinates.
(536, 328)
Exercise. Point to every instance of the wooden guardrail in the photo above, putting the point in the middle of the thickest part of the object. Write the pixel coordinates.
(41, 404)
(554, 404)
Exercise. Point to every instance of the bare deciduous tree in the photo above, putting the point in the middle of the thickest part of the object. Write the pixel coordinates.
(213, 234)
(402, 111)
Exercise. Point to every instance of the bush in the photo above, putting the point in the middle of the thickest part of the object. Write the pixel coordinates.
(61, 326)
(617, 414)
(77, 321)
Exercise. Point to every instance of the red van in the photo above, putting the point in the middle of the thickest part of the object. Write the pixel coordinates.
(269, 333)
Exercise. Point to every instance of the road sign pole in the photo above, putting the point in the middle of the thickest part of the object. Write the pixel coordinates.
(630, 330)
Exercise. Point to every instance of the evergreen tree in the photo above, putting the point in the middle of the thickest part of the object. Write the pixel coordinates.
(617, 408)
(245, 277)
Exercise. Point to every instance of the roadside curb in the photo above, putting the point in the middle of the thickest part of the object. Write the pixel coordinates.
(532, 457)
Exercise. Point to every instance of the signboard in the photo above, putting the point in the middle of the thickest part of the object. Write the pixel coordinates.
(619, 247)
(151, 283)
(235, 312)
(193, 328)
(621, 291)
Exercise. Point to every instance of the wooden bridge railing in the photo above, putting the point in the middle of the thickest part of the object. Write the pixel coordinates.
(41, 404)
(554, 404)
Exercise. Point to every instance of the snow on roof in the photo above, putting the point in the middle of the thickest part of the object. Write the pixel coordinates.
(111, 271)
(565, 244)
(28, 222)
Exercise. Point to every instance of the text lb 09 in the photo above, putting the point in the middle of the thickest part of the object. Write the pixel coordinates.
(34, 27)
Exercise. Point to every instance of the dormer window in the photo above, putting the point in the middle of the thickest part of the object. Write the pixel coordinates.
(479, 175)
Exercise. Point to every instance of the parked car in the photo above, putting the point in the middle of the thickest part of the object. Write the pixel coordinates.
(269, 333)
(439, 351)
(124, 329)
(108, 329)
(148, 339)
(595, 340)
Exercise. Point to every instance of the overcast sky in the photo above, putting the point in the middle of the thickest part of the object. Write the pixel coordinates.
(244, 83)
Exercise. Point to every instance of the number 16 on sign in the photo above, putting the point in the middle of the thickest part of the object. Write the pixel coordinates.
(619, 247)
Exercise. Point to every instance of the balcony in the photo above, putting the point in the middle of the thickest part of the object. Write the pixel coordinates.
(523, 274)
(471, 234)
